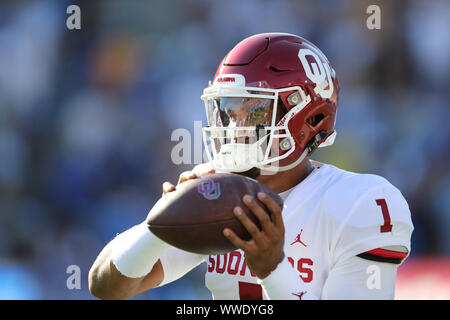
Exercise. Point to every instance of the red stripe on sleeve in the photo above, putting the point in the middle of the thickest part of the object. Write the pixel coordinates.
(388, 253)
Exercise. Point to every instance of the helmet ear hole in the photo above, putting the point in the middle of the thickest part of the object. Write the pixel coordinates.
(315, 120)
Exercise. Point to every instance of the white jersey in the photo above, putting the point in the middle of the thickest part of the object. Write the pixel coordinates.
(336, 222)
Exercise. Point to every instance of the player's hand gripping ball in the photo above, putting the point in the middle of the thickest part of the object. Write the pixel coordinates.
(193, 216)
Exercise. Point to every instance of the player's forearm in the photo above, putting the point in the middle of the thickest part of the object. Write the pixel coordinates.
(285, 284)
(106, 282)
(128, 265)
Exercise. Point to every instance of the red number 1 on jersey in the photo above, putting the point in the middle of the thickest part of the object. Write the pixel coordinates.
(387, 226)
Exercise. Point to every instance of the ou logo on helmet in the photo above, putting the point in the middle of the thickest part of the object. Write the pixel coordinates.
(318, 72)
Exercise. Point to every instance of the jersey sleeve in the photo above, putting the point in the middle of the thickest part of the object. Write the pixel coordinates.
(370, 216)
(360, 279)
(176, 263)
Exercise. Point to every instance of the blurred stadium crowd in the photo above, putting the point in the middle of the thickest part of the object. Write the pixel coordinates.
(86, 117)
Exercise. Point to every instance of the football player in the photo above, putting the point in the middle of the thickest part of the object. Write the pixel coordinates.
(340, 235)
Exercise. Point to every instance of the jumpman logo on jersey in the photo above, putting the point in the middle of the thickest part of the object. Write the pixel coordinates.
(300, 294)
(297, 239)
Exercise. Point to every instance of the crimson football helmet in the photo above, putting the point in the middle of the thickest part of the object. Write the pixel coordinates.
(274, 96)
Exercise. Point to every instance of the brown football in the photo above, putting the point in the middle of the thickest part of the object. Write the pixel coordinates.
(193, 216)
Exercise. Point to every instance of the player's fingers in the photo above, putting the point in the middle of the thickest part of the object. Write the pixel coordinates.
(247, 223)
(203, 169)
(185, 176)
(275, 210)
(260, 213)
(167, 187)
(234, 239)
(205, 172)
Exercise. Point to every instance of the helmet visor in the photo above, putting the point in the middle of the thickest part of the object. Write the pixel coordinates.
(235, 112)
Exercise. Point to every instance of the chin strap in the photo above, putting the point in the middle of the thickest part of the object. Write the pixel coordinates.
(315, 142)
(275, 169)
(310, 147)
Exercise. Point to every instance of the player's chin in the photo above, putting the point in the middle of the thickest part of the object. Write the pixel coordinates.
(252, 173)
